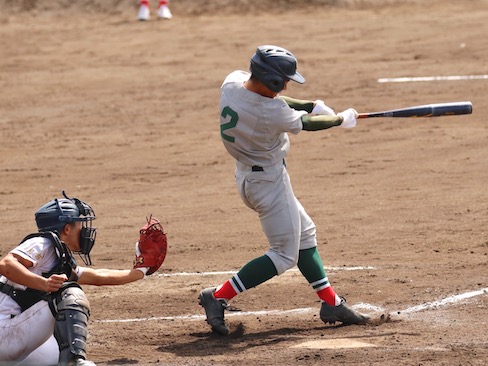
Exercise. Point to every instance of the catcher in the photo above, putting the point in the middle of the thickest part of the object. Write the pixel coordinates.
(43, 310)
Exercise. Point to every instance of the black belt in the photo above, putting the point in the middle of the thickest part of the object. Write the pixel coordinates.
(257, 168)
(25, 298)
(7, 289)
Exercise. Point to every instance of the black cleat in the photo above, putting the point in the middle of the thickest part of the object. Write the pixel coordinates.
(341, 313)
(214, 309)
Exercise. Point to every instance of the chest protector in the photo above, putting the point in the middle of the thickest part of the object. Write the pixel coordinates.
(66, 264)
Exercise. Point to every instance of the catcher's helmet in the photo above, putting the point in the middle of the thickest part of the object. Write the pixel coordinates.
(55, 214)
(274, 66)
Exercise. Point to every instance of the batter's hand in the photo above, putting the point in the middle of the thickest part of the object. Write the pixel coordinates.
(54, 282)
(321, 108)
(349, 118)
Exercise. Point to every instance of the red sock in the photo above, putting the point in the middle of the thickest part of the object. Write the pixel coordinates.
(226, 291)
(329, 296)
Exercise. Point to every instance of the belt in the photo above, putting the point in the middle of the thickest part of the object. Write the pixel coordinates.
(257, 168)
(25, 298)
(8, 290)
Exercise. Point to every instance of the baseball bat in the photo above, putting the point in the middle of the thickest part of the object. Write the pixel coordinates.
(428, 110)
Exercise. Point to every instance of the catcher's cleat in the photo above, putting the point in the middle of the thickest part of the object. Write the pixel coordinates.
(341, 313)
(214, 309)
(82, 362)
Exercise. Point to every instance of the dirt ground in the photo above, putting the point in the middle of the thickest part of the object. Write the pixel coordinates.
(124, 115)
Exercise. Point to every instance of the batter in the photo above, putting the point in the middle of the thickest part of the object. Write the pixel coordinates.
(254, 123)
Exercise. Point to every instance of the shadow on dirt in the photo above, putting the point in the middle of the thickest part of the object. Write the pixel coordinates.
(208, 343)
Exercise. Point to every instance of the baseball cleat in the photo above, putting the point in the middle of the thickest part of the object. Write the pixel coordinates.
(143, 13)
(164, 12)
(341, 313)
(214, 309)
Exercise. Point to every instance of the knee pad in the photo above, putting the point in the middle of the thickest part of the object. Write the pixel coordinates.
(71, 312)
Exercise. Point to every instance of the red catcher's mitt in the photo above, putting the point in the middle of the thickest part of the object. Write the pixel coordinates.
(151, 247)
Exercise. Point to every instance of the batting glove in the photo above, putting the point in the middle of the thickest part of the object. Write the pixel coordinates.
(349, 118)
(321, 108)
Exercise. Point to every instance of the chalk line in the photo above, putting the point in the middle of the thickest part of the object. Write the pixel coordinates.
(417, 308)
(198, 317)
(446, 301)
(432, 78)
(217, 273)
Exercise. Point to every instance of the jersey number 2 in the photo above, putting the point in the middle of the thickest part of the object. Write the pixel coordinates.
(227, 111)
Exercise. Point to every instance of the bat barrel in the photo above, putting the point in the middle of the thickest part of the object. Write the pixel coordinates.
(446, 109)
(429, 110)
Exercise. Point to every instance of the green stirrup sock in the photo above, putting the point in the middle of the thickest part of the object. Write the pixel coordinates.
(257, 271)
(310, 264)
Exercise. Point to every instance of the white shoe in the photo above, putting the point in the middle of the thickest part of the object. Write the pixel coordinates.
(143, 13)
(164, 12)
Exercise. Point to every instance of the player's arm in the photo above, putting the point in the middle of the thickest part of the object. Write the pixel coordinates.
(299, 104)
(16, 269)
(320, 122)
(345, 119)
(105, 277)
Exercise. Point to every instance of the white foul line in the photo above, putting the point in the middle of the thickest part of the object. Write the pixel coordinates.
(414, 309)
(446, 301)
(432, 78)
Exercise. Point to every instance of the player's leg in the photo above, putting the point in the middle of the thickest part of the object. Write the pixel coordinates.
(24, 333)
(48, 352)
(271, 196)
(334, 308)
(72, 311)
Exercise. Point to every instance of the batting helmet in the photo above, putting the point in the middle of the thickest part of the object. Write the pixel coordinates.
(274, 66)
(55, 214)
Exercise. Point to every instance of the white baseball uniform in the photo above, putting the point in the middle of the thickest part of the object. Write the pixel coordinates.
(28, 335)
(254, 130)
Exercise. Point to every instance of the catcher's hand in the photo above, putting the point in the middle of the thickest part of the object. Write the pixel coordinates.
(151, 247)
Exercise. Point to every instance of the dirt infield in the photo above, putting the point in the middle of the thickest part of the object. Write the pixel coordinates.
(124, 115)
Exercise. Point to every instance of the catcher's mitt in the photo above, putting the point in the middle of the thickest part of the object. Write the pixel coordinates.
(151, 247)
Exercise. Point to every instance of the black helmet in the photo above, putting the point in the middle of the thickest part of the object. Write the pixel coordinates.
(274, 66)
(55, 214)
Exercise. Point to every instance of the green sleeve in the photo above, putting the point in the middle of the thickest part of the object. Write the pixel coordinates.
(299, 104)
(320, 122)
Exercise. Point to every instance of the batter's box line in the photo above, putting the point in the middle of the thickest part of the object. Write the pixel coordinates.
(453, 299)
(218, 273)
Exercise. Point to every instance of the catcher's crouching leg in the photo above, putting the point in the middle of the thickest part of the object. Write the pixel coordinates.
(71, 310)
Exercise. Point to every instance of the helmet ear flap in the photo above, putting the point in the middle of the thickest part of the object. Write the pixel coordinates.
(277, 83)
(264, 72)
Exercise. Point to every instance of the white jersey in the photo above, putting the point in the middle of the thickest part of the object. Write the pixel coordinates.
(38, 250)
(253, 127)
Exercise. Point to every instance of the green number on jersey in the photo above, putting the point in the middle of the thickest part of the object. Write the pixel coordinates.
(227, 111)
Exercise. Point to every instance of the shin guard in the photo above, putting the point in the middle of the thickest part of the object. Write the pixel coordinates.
(71, 310)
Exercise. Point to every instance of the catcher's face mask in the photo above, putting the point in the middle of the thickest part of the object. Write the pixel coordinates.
(88, 233)
(87, 241)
